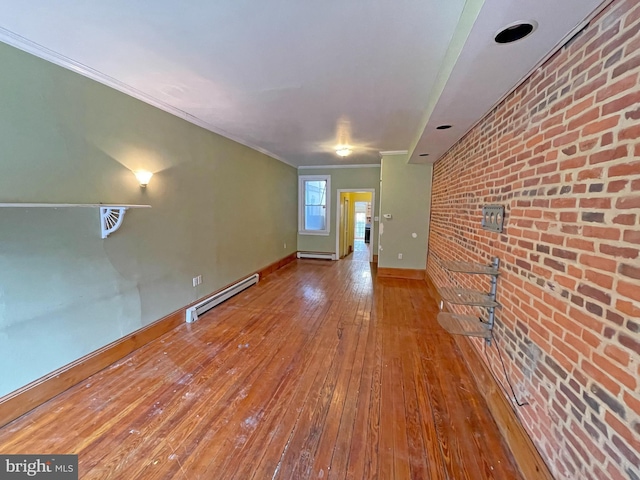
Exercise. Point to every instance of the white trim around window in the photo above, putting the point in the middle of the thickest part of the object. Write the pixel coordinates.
(314, 196)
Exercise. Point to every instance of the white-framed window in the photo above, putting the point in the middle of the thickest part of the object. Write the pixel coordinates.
(314, 196)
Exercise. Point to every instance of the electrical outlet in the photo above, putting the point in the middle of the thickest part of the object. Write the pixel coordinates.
(285, 245)
(399, 256)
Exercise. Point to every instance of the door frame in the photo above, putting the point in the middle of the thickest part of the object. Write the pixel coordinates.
(372, 191)
(344, 225)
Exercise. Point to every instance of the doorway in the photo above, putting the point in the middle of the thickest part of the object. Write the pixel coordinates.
(356, 223)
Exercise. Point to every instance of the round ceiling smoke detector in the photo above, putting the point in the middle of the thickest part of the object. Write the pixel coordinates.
(514, 32)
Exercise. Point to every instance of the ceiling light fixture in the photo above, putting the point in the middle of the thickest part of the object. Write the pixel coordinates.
(343, 151)
(514, 32)
(443, 127)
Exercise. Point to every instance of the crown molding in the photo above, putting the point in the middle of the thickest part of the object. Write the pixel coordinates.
(388, 153)
(40, 51)
(316, 167)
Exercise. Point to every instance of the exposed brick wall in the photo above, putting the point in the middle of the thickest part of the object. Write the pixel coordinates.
(562, 153)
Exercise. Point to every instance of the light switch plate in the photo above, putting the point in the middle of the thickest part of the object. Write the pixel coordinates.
(493, 218)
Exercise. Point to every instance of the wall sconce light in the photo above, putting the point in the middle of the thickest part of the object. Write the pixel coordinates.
(143, 177)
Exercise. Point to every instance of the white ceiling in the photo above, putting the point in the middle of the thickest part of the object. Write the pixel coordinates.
(295, 78)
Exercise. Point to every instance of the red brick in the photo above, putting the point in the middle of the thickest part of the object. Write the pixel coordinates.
(622, 430)
(628, 308)
(566, 139)
(616, 88)
(590, 174)
(616, 372)
(579, 107)
(608, 155)
(619, 251)
(605, 281)
(571, 347)
(617, 186)
(585, 118)
(628, 202)
(600, 377)
(588, 145)
(570, 229)
(553, 239)
(554, 121)
(578, 45)
(629, 271)
(566, 202)
(632, 402)
(630, 133)
(625, 219)
(617, 354)
(632, 17)
(594, 340)
(607, 139)
(629, 290)
(620, 104)
(580, 244)
(631, 343)
(570, 217)
(565, 281)
(591, 87)
(631, 64)
(594, 293)
(595, 203)
(599, 263)
(613, 473)
(601, 232)
(579, 188)
(573, 200)
(575, 272)
(600, 126)
(631, 236)
(624, 169)
(603, 38)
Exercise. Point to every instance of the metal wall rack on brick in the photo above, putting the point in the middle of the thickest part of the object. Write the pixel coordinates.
(469, 325)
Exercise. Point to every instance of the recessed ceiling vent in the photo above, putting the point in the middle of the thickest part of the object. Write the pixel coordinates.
(515, 32)
(443, 127)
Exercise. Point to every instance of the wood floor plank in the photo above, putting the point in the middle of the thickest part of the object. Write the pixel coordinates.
(361, 436)
(344, 437)
(321, 370)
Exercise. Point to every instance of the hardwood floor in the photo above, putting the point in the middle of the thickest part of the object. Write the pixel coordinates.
(319, 371)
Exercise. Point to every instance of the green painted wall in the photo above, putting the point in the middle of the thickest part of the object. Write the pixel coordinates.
(219, 209)
(406, 195)
(341, 178)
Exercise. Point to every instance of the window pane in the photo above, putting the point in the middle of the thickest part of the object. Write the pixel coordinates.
(314, 217)
(315, 192)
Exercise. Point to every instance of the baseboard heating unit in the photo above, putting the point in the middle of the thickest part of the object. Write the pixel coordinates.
(197, 310)
(318, 255)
